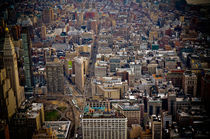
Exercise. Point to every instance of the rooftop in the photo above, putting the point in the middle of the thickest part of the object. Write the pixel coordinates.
(61, 128)
(103, 115)
(128, 107)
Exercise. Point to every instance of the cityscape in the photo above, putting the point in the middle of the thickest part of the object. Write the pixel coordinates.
(104, 69)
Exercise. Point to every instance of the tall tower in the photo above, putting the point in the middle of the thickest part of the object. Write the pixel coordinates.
(26, 45)
(7, 99)
(79, 73)
(172, 103)
(10, 64)
(55, 77)
(43, 32)
(156, 128)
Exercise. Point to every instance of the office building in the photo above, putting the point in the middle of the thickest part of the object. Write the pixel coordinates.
(154, 106)
(55, 77)
(29, 119)
(152, 68)
(7, 99)
(137, 69)
(205, 87)
(79, 73)
(190, 83)
(176, 77)
(172, 103)
(26, 45)
(48, 15)
(4, 130)
(114, 63)
(100, 69)
(131, 112)
(166, 120)
(156, 127)
(10, 64)
(104, 125)
(43, 32)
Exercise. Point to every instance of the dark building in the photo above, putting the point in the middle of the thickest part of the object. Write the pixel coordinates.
(26, 46)
(205, 87)
(4, 130)
(176, 77)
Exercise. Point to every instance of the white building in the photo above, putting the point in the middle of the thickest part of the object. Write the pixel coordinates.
(104, 126)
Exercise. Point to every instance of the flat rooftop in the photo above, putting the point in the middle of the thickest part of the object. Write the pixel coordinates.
(103, 115)
(129, 107)
(61, 128)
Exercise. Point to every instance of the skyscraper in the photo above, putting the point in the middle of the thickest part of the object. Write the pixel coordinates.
(43, 32)
(26, 45)
(79, 73)
(172, 103)
(10, 64)
(55, 77)
(7, 99)
(48, 15)
(156, 128)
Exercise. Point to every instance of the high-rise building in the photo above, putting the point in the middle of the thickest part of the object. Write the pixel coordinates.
(10, 64)
(27, 120)
(80, 18)
(7, 99)
(2, 33)
(55, 77)
(176, 77)
(190, 83)
(114, 63)
(109, 125)
(43, 32)
(79, 73)
(172, 103)
(156, 128)
(154, 106)
(137, 69)
(4, 130)
(205, 87)
(48, 15)
(131, 112)
(166, 120)
(100, 69)
(26, 45)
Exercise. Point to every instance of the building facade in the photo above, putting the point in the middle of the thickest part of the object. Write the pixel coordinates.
(48, 15)
(26, 45)
(114, 127)
(10, 64)
(156, 129)
(7, 99)
(132, 112)
(154, 106)
(55, 77)
(190, 83)
(79, 73)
